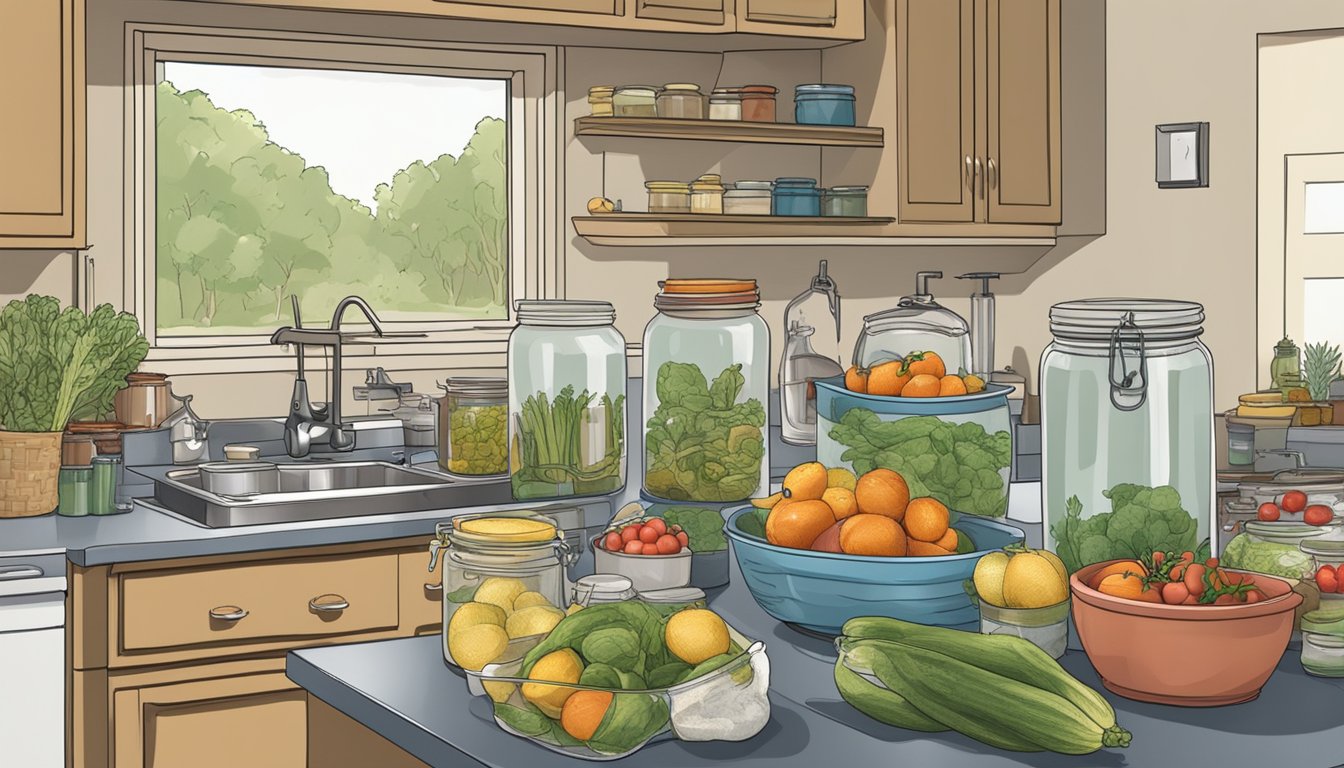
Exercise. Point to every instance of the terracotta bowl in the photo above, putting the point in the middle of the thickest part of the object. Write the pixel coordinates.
(1184, 655)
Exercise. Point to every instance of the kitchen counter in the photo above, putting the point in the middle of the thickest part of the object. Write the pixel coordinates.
(403, 691)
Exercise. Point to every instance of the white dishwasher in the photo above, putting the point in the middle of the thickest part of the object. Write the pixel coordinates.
(32, 661)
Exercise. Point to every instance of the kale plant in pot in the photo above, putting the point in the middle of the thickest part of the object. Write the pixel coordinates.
(55, 365)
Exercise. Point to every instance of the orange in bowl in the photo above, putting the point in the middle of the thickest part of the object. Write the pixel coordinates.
(873, 535)
(922, 385)
(888, 379)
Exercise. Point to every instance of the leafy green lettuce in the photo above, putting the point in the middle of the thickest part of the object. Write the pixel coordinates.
(704, 527)
(961, 465)
(701, 443)
(1142, 520)
(56, 365)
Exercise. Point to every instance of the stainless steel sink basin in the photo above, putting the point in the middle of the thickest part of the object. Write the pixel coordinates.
(320, 491)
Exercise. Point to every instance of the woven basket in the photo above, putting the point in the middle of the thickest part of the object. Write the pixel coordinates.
(30, 463)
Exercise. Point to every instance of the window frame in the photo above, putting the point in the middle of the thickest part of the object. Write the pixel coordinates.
(534, 256)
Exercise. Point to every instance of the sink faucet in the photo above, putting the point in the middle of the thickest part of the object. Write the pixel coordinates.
(308, 423)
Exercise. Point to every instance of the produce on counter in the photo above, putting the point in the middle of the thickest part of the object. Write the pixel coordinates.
(1020, 577)
(490, 615)
(1142, 520)
(875, 519)
(960, 465)
(478, 440)
(922, 678)
(652, 536)
(918, 374)
(572, 442)
(1184, 579)
(701, 443)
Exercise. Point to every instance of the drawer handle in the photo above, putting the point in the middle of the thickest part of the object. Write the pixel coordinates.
(434, 587)
(227, 613)
(328, 604)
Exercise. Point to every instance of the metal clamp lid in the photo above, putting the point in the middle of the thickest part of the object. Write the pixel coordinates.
(1129, 378)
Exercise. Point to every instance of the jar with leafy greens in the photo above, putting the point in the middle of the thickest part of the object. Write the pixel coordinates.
(567, 383)
(473, 425)
(706, 384)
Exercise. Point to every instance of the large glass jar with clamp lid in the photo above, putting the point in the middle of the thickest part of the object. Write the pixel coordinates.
(706, 385)
(503, 580)
(917, 324)
(567, 382)
(1127, 430)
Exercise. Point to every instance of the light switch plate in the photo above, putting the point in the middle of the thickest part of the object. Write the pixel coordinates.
(1182, 155)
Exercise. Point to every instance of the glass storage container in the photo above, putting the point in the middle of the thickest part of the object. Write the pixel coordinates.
(473, 420)
(822, 104)
(811, 352)
(74, 488)
(635, 101)
(796, 197)
(758, 103)
(567, 383)
(1323, 642)
(707, 194)
(917, 324)
(725, 104)
(415, 411)
(1273, 548)
(1046, 628)
(103, 485)
(1285, 369)
(669, 196)
(600, 100)
(504, 583)
(681, 101)
(845, 201)
(706, 386)
(751, 198)
(1127, 426)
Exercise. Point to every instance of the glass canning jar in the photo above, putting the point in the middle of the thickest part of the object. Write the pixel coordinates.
(567, 383)
(796, 197)
(472, 426)
(845, 201)
(725, 104)
(1127, 428)
(635, 101)
(706, 386)
(669, 196)
(505, 569)
(758, 103)
(707, 194)
(749, 198)
(681, 101)
(600, 100)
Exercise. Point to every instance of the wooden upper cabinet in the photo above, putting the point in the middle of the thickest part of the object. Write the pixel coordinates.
(1023, 155)
(688, 11)
(935, 61)
(42, 135)
(835, 19)
(607, 7)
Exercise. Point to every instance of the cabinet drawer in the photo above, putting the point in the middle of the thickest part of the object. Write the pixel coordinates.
(231, 604)
(689, 11)
(811, 13)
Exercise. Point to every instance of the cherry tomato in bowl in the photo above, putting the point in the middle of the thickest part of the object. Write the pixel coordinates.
(1294, 502)
(1268, 512)
(1318, 514)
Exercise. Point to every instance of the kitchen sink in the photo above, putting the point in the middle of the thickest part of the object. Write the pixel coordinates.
(321, 491)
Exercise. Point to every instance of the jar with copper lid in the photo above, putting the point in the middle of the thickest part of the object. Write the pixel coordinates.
(681, 101)
(85, 439)
(599, 100)
(145, 401)
(707, 194)
(758, 103)
(706, 386)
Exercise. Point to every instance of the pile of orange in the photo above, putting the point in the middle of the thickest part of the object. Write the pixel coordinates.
(918, 374)
(832, 511)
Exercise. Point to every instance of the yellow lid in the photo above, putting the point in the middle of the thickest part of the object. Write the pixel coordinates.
(509, 529)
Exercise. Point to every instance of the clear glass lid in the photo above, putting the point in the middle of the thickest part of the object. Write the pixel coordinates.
(917, 324)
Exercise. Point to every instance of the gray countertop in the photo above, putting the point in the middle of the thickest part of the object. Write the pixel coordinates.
(402, 690)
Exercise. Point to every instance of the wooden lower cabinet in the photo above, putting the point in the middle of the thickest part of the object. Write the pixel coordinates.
(336, 741)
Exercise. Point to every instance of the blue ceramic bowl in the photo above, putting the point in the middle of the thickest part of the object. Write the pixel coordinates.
(820, 591)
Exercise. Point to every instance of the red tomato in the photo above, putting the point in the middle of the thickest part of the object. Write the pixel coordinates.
(1318, 514)
(1225, 600)
(1327, 579)
(635, 547)
(1211, 563)
(650, 549)
(630, 533)
(683, 539)
(613, 542)
(668, 544)
(1254, 596)
(1158, 557)
(1268, 512)
(1174, 593)
(1188, 556)
(658, 524)
(1294, 502)
(648, 535)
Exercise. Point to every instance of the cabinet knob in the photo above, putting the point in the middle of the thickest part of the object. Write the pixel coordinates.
(328, 604)
(227, 613)
(970, 174)
(993, 177)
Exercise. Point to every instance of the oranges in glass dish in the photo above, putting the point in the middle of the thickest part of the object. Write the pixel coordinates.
(918, 374)
(872, 515)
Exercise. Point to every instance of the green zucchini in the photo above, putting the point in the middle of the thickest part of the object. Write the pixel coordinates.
(992, 708)
(879, 703)
(1006, 655)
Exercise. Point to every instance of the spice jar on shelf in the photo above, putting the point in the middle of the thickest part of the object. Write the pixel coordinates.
(758, 103)
(635, 101)
(748, 198)
(824, 104)
(707, 194)
(725, 104)
(845, 201)
(681, 101)
(599, 100)
(669, 196)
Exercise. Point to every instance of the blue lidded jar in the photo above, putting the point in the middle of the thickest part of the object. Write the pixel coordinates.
(823, 104)
(795, 197)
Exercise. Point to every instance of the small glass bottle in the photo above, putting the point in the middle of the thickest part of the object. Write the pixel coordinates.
(103, 488)
(812, 318)
(707, 194)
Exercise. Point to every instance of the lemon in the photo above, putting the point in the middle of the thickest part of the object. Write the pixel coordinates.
(696, 634)
(1055, 561)
(500, 591)
(510, 528)
(474, 647)
(839, 477)
(536, 620)
(529, 600)
(562, 666)
(988, 578)
(499, 691)
(471, 614)
(1031, 581)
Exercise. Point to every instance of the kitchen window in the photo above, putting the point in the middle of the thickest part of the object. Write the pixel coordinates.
(321, 168)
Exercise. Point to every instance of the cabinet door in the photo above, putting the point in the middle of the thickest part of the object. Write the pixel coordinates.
(42, 135)
(690, 11)
(526, 7)
(256, 719)
(1023, 172)
(808, 13)
(935, 82)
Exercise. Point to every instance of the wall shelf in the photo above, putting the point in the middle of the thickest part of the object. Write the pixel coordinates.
(655, 230)
(729, 130)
